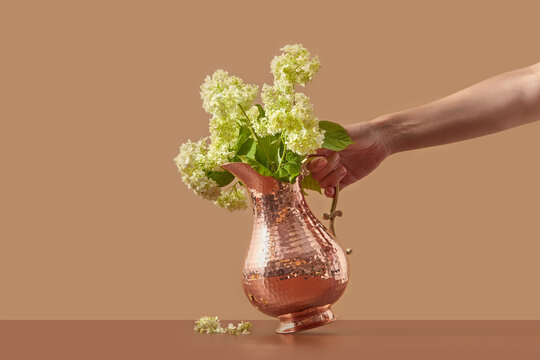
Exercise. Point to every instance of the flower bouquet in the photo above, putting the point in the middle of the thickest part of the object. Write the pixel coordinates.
(274, 138)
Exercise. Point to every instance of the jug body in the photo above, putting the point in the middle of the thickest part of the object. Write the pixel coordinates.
(294, 269)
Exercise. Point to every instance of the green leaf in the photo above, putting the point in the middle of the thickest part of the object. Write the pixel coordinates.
(221, 177)
(260, 155)
(310, 183)
(293, 164)
(248, 148)
(262, 113)
(257, 166)
(282, 174)
(293, 169)
(335, 137)
(243, 135)
(292, 157)
(267, 151)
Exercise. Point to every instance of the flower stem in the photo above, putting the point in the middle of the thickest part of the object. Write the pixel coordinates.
(284, 151)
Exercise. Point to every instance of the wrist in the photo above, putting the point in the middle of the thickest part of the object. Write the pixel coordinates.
(390, 131)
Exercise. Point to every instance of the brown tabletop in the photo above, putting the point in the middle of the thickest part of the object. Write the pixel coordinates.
(175, 339)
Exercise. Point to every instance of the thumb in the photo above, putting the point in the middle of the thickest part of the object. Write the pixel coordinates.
(318, 163)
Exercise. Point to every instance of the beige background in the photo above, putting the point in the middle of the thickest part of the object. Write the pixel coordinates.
(97, 96)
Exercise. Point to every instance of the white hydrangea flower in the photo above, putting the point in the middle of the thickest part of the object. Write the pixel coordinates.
(294, 66)
(291, 114)
(226, 98)
(212, 325)
(258, 125)
(223, 135)
(191, 162)
(305, 137)
(275, 99)
(208, 325)
(304, 141)
(261, 127)
(277, 106)
(233, 199)
(243, 327)
(288, 112)
(231, 329)
(252, 113)
(221, 95)
(302, 111)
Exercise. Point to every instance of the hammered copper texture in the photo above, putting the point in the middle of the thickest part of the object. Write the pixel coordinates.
(294, 268)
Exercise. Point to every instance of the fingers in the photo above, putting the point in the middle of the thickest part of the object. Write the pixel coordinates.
(317, 164)
(327, 170)
(320, 159)
(332, 179)
(324, 152)
(331, 164)
(329, 192)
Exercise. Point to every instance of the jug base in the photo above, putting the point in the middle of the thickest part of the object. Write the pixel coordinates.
(305, 320)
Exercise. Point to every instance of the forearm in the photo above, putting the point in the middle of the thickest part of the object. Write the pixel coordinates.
(498, 103)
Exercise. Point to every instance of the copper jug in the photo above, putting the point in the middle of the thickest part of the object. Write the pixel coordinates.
(295, 269)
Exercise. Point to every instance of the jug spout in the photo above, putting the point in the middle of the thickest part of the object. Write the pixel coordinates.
(251, 178)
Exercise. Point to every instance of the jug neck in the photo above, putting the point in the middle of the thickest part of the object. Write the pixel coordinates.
(269, 197)
(278, 202)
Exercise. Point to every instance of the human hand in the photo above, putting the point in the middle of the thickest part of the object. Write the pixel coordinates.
(350, 165)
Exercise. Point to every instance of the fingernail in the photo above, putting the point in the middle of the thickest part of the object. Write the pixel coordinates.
(321, 162)
(318, 163)
(342, 171)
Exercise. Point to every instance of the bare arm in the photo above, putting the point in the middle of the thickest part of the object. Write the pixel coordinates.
(498, 103)
(493, 105)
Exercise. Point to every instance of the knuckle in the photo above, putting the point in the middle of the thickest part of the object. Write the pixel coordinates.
(335, 161)
(330, 180)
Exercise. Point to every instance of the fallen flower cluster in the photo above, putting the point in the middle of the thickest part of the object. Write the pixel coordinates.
(212, 325)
